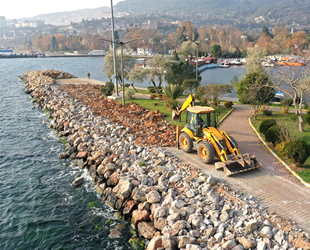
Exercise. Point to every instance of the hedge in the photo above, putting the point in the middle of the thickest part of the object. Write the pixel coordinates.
(297, 151)
(266, 124)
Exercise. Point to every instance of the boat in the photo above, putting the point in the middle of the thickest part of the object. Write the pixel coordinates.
(291, 63)
(223, 65)
(268, 64)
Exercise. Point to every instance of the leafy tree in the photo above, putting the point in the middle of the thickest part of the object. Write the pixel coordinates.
(179, 72)
(172, 92)
(128, 65)
(176, 56)
(255, 89)
(54, 43)
(214, 91)
(216, 50)
(190, 85)
(266, 32)
(154, 71)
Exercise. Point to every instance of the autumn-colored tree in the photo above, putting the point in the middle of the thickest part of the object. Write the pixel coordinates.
(264, 41)
(298, 42)
(188, 29)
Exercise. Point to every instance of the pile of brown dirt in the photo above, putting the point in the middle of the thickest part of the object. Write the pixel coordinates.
(149, 128)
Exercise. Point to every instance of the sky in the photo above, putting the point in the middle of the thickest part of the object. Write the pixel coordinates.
(15, 9)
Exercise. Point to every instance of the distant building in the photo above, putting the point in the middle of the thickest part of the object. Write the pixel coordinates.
(2, 21)
(30, 24)
(144, 51)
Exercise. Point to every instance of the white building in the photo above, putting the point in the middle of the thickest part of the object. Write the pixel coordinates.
(144, 51)
(2, 21)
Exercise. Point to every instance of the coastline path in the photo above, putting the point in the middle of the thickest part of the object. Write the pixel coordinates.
(275, 187)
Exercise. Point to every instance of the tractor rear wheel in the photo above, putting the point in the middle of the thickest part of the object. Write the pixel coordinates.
(234, 141)
(205, 152)
(186, 143)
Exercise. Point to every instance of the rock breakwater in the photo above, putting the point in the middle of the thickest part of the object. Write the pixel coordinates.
(171, 204)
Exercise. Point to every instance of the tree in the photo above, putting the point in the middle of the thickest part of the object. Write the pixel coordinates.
(172, 92)
(216, 50)
(266, 32)
(253, 60)
(255, 89)
(179, 72)
(128, 65)
(299, 82)
(155, 71)
(214, 91)
(190, 84)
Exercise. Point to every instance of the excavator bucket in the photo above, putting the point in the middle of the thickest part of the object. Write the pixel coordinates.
(238, 164)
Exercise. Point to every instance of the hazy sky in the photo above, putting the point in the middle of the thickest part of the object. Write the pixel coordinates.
(28, 8)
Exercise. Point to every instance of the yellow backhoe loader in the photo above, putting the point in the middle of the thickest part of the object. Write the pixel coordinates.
(201, 132)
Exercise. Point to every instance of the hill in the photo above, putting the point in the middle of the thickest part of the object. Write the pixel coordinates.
(66, 17)
(290, 12)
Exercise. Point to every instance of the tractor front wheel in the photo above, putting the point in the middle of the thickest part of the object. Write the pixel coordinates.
(205, 152)
(186, 143)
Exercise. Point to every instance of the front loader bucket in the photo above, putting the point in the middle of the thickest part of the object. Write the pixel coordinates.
(238, 164)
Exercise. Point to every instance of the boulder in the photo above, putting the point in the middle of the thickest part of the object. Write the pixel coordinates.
(153, 197)
(247, 243)
(139, 216)
(155, 243)
(78, 181)
(146, 229)
(129, 205)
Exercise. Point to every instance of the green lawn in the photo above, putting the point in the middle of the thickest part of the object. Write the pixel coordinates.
(154, 105)
(291, 123)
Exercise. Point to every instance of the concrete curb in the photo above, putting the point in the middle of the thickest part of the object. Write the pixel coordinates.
(277, 157)
(225, 116)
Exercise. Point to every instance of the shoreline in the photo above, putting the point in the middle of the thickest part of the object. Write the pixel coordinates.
(171, 204)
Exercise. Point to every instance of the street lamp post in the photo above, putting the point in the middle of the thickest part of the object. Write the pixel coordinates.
(114, 53)
(197, 44)
(122, 66)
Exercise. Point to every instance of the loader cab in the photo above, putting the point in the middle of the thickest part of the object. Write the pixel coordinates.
(198, 118)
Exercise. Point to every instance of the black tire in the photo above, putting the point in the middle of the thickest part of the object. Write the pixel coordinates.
(234, 141)
(186, 143)
(205, 152)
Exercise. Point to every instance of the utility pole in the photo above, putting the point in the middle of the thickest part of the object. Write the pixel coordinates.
(114, 52)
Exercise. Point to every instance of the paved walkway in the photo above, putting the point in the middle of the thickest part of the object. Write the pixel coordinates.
(272, 184)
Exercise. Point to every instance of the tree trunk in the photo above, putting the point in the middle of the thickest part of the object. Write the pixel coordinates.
(300, 122)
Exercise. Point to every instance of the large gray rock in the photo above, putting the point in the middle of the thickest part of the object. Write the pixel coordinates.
(153, 197)
(266, 232)
(78, 181)
(123, 189)
(250, 227)
(279, 237)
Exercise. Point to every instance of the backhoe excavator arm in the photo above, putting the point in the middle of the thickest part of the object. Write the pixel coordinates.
(189, 102)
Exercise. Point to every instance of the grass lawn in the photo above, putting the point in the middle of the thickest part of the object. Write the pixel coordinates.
(154, 105)
(291, 123)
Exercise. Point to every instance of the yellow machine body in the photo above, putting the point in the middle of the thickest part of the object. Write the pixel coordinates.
(201, 132)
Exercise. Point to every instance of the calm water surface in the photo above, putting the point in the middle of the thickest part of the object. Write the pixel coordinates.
(39, 208)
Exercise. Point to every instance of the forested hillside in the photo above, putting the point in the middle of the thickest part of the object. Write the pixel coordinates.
(290, 12)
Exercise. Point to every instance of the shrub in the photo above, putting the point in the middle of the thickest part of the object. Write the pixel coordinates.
(152, 97)
(297, 151)
(262, 109)
(161, 97)
(107, 89)
(127, 85)
(286, 104)
(129, 93)
(151, 89)
(266, 124)
(172, 103)
(280, 147)
(274, 134)
(307, 118)
(216, 103)
(267, 112)
(228, 104)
